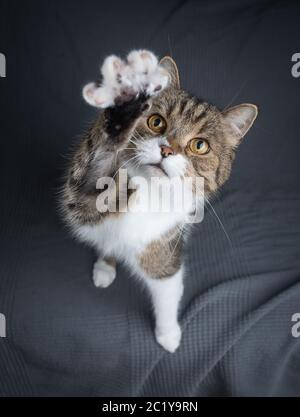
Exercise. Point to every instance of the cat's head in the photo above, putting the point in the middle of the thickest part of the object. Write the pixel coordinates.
(181, 135)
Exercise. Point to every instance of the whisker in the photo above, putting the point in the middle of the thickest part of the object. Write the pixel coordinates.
(219, 220)
(138, 133)
(236, 95)
(132, 141)
(140, 138)
(126, 162)
(179, 237)
(170, 47)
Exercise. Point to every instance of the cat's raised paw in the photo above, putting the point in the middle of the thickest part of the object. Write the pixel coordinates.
(169, 340)
(123, 81)
(103, 274)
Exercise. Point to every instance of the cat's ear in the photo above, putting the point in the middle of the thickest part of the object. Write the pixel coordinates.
(238, 120)
(170, 66)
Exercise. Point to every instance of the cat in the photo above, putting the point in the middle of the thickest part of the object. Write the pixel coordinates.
(150, 126)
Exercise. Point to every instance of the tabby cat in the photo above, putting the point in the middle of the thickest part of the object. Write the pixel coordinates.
(150, 126)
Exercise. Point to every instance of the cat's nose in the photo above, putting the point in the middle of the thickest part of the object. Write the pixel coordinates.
(166, 151)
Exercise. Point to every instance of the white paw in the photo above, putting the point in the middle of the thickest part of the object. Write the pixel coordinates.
(169, 340)
(103, 274)
(125, 80)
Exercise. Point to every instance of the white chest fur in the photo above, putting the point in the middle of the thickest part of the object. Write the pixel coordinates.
(126, 235)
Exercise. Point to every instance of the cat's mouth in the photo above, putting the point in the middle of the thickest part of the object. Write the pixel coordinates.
(149, 157)
(159, 169)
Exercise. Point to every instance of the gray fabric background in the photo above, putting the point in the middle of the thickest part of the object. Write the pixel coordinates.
(65, 337)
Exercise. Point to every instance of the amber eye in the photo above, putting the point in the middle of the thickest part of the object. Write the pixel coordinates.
(199, 146)
(157, 123)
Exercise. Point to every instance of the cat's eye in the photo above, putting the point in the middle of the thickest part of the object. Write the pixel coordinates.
(199, 146)
(157, 123)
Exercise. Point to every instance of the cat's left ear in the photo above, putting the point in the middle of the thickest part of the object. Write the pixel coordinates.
(238, 120)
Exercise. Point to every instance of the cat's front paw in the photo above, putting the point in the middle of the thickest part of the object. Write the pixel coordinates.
(124, 81)
(170, 339)
(103, 274)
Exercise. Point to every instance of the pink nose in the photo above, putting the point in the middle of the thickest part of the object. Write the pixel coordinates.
(166, 151)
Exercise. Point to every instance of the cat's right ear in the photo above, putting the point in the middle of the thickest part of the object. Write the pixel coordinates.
(170, 66)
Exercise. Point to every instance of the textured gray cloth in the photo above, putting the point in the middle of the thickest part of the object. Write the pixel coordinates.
(65, 337)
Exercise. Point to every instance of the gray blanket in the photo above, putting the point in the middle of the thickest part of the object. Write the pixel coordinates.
(242, 287)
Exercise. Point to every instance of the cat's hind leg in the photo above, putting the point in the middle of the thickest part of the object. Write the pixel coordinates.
(104, 272)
